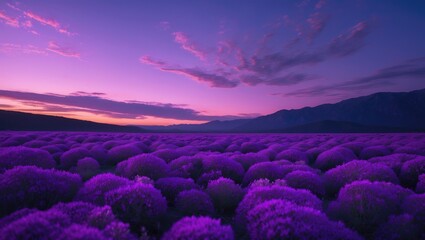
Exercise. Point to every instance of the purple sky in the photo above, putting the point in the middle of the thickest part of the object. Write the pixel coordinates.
(164, 62)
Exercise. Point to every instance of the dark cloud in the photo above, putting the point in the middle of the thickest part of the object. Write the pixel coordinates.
(275, 63)
(317, 22)
(412, 69)
(289, 79)
(100, 105)
(260, 64)
(200, 75)
(350, 41)
(197, 74)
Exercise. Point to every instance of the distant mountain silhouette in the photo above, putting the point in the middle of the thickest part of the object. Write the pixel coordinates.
(379, 112)
(11, 120)
(389, 110)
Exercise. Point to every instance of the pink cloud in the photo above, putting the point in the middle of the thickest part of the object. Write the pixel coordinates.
(188, 45)
(320, 4)
(317, 23)
(49, 22)
(27, 24)
(350, 41)
(200, 75)
(9, 20)
(63, 51)
(14, 7)
(17, 48)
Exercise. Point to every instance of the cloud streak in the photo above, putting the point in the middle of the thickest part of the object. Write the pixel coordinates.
(18, 48)
(63, 51)
(48, 22)
(8, 20)
(213, 80)
(350, 41)
(412, 69)
(98, 104)
(188, 45)
(232, 64)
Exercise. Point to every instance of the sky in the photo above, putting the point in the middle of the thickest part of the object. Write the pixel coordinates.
(160, 62)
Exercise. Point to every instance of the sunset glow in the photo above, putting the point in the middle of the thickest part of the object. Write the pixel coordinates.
(171, 62)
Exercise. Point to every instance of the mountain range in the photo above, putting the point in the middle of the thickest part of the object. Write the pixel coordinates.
(379, 112)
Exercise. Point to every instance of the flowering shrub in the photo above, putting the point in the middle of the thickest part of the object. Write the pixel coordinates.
(306, 180)
(292, 155)
(87, 167)
(168, 154)
(95, 189)
(228, 168)
(123, 152)
(29, 186)
(70, 158)
(420, 187)
(268, 170)
(194, 202)
(249, 159)
(187, 166)
(374, 151)
(205, 178)
(364, 205)
(37, 225)
(248, 147)
(143, 165)
(398, 227)
(394, 161)
(415, 206)
(22, 156)
(100, 217)
(171, 186)
(268, 186)
(338, 177)
(258, 195)
(199, 228)
(77, 231)
(280, 219)
(76, 211)
(411, 170)
(15, 216)
(333, 157)
(138, 204)
(225, 193)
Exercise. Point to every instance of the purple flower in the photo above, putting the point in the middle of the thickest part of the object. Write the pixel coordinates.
(94, 190)
(225, 193)
(171, 186)
(194, 202)
(138, 204)
(29, 186)
(199, 228)
(355, 170)
(281, 219)
(364, 205)
(306, 180)
(258, 195)
(22, 156)
(228, 167)
(333, 157)
(143, 165)
(70, 158)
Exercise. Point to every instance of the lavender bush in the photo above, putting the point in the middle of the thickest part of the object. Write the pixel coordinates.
(64, 185)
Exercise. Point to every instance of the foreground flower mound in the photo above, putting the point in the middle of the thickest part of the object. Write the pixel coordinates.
(280, 219)
(199, 228)
(118, 186)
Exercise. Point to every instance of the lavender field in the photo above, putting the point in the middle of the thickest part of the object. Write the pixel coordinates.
(57, 185)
